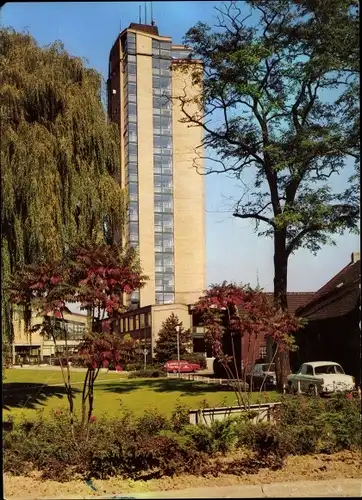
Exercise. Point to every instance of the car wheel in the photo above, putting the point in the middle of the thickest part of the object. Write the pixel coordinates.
(311, 390)
(289, 389)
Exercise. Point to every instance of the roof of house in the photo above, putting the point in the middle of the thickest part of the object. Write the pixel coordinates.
(337, 297)
(295, 299)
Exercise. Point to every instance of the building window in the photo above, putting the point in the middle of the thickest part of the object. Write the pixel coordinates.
(262, 352)
(159, 298)
(163, 180)
(155, 47)
(142, 320)
(168, 298)
(131, 69)
(130, 43)
(132, 323)
(181, 54)
(161, 102)
(163, 203)
(132, 168)
(161, 141)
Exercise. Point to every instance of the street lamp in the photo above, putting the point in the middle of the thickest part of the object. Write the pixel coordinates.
(178, 328)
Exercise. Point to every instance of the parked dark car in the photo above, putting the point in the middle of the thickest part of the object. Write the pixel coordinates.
(261, 375)
(172, 366)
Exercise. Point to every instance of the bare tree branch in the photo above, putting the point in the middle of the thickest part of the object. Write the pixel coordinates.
(199, 122)
(254, 216)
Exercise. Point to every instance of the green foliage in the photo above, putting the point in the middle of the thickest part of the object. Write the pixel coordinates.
(343, 419)
(284, 92)
(130, 367)
(264, 438)
(154, 445)
(166, 345)
(125, 447)
(152, 423)
(59, 156)
(306, 425)
(278, 105)
(220, 436)
(196, 358)
(150, 372)
(180, 416)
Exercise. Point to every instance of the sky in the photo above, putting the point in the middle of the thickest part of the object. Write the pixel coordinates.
(234, 251)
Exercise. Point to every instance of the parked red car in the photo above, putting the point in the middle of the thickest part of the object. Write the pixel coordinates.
(185, 366)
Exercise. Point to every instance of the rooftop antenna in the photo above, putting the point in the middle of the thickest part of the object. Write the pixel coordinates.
(145, 12)
(139, 14)
(152, 20)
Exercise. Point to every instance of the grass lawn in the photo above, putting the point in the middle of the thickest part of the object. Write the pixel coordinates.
(112, 392)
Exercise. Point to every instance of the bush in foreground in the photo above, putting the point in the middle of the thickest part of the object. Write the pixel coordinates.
(154, 445)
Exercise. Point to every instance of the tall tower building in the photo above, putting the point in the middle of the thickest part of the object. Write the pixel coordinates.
(166, 194)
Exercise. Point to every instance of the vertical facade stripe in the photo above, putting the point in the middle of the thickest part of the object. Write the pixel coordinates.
(163, 173)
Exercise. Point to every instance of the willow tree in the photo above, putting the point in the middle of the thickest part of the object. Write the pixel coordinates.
(60, 158)
(279, 104)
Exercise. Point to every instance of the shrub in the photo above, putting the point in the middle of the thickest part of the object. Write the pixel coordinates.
(265, 438)
(148, 373)
(300, 410)
(196, 358)
(156, 445)
(41, 443)
(169, 456)
(152, 423)
(313, 425)
(343, 418)
(131, 367)
(142, 456)
(180, 417)
(220, 436)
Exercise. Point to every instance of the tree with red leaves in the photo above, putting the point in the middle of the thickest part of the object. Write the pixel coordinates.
(98, 277)
(232, 310)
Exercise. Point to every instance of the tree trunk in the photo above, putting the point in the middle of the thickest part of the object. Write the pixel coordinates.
(282, 362)
(90, 400)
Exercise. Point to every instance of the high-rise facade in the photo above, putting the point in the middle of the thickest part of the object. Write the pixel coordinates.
(158, 154)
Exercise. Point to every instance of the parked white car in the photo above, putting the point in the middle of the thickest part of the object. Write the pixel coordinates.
(320, 377)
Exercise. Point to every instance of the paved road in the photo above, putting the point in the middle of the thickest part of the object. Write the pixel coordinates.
(321, 488)
(331, 488)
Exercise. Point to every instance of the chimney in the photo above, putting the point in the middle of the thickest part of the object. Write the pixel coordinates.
(355, 257)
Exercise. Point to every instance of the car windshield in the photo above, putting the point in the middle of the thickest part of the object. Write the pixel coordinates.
(328, 369)
(268, 367)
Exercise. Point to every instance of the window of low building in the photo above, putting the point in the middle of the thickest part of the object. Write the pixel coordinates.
(262, 352)
(142, 320)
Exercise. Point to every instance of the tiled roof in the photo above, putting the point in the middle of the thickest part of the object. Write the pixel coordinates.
(295, 299)
(337, 297)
